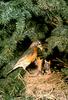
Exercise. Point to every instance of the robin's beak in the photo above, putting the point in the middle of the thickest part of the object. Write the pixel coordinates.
(40, 46)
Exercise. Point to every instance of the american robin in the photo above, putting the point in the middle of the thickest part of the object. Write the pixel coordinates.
(29, 56)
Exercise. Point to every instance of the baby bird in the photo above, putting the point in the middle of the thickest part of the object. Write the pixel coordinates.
(47, 67)
(29, 56)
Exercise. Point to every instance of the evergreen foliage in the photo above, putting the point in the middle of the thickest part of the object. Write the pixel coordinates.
(30, 20)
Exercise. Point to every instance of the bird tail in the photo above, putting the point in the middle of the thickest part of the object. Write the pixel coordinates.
(15, 67)
(12, 70)
(24, 65)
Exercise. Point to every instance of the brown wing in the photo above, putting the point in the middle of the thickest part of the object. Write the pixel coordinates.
(26, 59)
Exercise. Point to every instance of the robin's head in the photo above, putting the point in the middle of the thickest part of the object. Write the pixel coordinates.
(37, 44)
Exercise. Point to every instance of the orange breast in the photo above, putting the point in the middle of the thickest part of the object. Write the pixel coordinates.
(33, 56)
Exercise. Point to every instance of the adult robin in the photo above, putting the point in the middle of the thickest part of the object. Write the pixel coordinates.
(29, 56)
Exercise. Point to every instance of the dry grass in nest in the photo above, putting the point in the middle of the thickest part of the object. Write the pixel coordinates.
(46, 87)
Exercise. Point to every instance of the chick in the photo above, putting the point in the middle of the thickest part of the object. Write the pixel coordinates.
(39, 63)
(46, 67)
